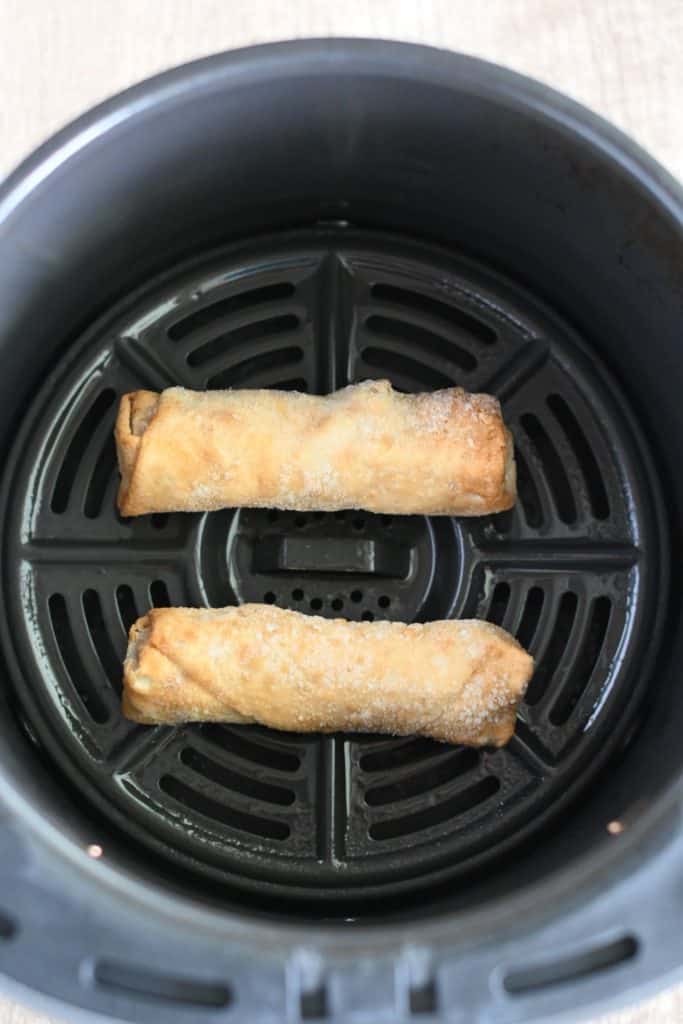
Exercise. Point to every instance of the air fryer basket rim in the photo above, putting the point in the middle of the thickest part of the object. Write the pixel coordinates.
(576, 885)
(318, 54)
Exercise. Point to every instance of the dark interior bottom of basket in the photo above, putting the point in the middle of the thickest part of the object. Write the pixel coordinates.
(309, 818)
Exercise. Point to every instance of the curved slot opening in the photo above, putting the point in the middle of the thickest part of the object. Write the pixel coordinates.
(385, 759)
(109, 658)
(242, 336)
(233, 741)
(571, 968)
(499, 603)
(200, 803)
(72, 661)
(226, 778)
(105, 467)
(424, 781)
(533, 609)
(393, 363)
(158, 593)
(226, 307)
(125, 602)
(528, 492)
(139, 981)
(566, 613)
(240, 373)
(79, 443)
(504, 521)
(551, 461)
(585, 661)
(576, 439)
(434, 307)
(424, 339)
(394, 828)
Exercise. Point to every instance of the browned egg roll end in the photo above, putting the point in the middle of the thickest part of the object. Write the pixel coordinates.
(147, 675)
(136, 411)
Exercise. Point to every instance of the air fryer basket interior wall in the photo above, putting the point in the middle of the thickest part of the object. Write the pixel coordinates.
(300, 215)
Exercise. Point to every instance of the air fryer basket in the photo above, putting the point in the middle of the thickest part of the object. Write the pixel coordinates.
(304, 216)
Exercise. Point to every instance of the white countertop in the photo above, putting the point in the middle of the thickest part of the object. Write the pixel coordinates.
(623, 58)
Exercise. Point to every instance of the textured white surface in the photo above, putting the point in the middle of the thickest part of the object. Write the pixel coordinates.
(623, 58)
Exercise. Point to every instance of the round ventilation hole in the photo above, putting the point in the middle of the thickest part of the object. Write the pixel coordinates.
(270, 597)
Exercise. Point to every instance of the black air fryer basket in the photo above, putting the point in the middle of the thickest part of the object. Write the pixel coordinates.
(303, 216)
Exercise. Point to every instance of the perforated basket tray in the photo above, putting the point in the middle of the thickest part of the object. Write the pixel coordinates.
(344, 817)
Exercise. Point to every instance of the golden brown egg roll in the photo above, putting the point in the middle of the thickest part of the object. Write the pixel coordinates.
(367, 446)
(460, 682)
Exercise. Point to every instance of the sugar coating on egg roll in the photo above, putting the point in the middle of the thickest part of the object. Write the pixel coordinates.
(455, 681)
(366, 446)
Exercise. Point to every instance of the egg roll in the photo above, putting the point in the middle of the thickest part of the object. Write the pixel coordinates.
(454, 681)
(364, 447)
